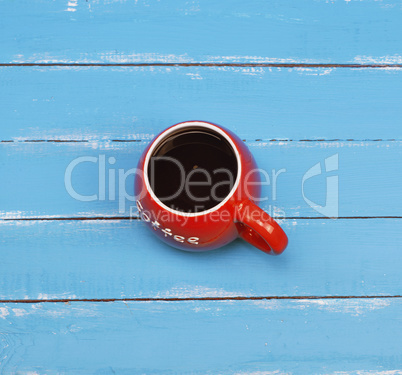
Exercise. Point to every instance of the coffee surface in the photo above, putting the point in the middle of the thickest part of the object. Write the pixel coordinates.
(192, 171)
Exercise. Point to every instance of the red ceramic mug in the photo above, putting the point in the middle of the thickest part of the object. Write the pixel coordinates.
(196, 188)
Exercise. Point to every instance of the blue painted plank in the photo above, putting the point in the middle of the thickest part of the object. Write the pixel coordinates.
(134, 103)
(35, 177)
(122, 259)
(209, 337)
(207, 31)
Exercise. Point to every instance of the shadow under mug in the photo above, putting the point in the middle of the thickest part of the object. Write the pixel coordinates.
(196, 188)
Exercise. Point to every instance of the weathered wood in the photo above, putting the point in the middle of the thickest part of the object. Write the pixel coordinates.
(180, 31)
(134, 103)
(246, 337)
(122, 259)
(319, 112)
(369, 178)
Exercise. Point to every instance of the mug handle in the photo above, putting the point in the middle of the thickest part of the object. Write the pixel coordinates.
(259, 229)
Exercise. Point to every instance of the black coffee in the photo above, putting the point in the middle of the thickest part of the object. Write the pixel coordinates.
(192, 170)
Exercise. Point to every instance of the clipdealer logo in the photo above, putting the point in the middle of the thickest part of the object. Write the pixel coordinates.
(108, 177)
(331, 207)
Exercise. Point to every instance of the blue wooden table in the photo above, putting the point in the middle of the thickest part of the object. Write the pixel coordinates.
(85, 288)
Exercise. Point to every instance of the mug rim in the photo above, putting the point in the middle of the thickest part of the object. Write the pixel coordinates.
(163, 135)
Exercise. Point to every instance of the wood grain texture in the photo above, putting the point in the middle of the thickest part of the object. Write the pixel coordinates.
(247, 337)
(122, 259)
(291, 118)
(368, 174)
(201, 31)
(134, 103)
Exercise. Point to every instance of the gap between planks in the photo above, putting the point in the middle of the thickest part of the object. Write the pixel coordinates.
(94, 218)
(184, 299)
(244, 140)
(246, 65)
